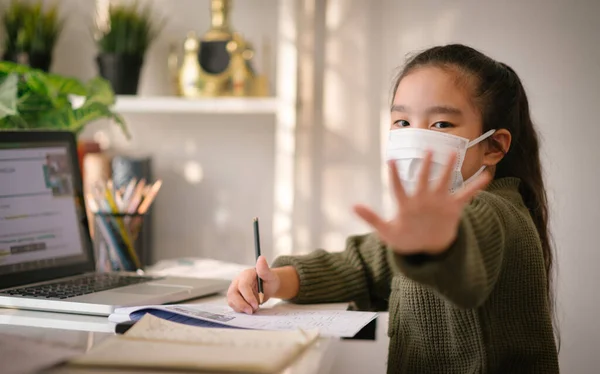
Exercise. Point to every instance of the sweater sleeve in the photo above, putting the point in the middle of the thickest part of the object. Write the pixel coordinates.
(361, 273)
(466, 273)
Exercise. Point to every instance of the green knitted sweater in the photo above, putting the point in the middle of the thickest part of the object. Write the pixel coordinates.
(481, 307)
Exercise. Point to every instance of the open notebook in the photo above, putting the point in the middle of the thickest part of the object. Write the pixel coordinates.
(331, 323)
(159, 344)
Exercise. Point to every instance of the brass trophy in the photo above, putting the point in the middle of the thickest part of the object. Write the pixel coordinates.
(219, 63)
(214, 57)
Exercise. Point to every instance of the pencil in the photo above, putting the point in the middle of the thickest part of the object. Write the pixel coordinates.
(153, 190)
(120, 225)
(261, 294)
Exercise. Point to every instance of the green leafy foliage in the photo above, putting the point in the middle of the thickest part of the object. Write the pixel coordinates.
(29, 28)
(32, 99)
(8, 96)
(130, 30)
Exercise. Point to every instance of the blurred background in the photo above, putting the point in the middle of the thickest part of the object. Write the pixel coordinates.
(296, 134)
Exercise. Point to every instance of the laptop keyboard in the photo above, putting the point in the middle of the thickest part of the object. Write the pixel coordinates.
(78, 286)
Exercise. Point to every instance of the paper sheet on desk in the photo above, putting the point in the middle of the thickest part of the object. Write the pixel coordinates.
(333, 323)
(20, 355)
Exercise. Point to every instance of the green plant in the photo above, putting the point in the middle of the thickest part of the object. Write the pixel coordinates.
(30, 29)
(130, 30)
(32, 99)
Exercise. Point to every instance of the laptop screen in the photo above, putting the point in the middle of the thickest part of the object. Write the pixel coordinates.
(40, 212)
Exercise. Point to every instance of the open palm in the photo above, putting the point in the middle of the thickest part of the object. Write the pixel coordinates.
(427, 221)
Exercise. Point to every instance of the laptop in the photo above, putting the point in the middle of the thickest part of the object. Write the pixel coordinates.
(47, 259)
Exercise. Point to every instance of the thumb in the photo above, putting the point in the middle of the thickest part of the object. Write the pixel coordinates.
(263, 270)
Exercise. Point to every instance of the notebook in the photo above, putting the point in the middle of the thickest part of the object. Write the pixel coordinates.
(154, 343)
(330, 323)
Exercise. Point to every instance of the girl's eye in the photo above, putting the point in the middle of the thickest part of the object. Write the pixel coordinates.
(443, 125)
(401, 123)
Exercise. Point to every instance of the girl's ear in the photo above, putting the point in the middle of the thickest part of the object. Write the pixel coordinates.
(497, 146)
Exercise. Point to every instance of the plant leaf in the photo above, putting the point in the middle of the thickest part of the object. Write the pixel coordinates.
(93, 111)
(36, 83)
(30, 98)
(8, 95)
(65, 85)
(131, 30)
(12, 122)
(7, 67)
(100, 91)
(119, 120)
(30, 28)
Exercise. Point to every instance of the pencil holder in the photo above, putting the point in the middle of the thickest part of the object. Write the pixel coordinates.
(117, 241)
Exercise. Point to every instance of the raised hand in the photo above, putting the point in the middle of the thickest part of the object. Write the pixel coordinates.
(426, 222)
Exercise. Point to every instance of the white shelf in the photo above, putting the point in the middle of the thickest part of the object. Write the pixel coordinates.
(172, 104)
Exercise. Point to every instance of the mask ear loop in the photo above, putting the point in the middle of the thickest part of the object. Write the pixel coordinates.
(481, 138)
(477, 173)
(472, 143)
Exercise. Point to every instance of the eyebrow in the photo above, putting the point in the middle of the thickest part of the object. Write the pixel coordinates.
(438, 109)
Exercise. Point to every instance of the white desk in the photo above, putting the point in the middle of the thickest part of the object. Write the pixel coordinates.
(83, 332)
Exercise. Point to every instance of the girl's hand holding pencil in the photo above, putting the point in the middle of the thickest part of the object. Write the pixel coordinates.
(255, 286)
(242, 295)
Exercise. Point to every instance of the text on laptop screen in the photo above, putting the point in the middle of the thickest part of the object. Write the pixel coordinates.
(39, 212)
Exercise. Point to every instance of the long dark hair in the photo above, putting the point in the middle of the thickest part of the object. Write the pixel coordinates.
(503, 103)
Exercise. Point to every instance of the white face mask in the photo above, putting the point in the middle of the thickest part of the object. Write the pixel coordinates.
(408, 146)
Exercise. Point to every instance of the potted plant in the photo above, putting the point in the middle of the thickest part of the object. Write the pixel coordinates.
(31, 32)
(33, 99)
(123, 43)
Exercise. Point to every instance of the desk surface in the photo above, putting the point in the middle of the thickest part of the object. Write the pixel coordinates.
(83, 332)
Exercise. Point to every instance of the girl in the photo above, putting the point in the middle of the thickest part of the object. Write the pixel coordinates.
(465, 274)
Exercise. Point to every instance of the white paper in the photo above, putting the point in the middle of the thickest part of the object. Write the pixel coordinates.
(332, 323)
(24, 355)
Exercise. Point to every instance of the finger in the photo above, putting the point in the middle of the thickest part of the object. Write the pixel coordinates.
(237, 303)
(373, 220)
(397, 188)
(235, 299)
(232, 286)
(446, 179)
(470, 190)
(248, 290)
(423, 183)
(263, 270)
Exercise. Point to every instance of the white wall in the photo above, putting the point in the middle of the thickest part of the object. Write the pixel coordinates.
(338, 141)
(555, 47)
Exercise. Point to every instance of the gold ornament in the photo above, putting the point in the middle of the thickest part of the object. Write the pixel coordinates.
(219, 63)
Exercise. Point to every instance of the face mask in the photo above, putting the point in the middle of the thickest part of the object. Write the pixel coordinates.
(408, 146)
